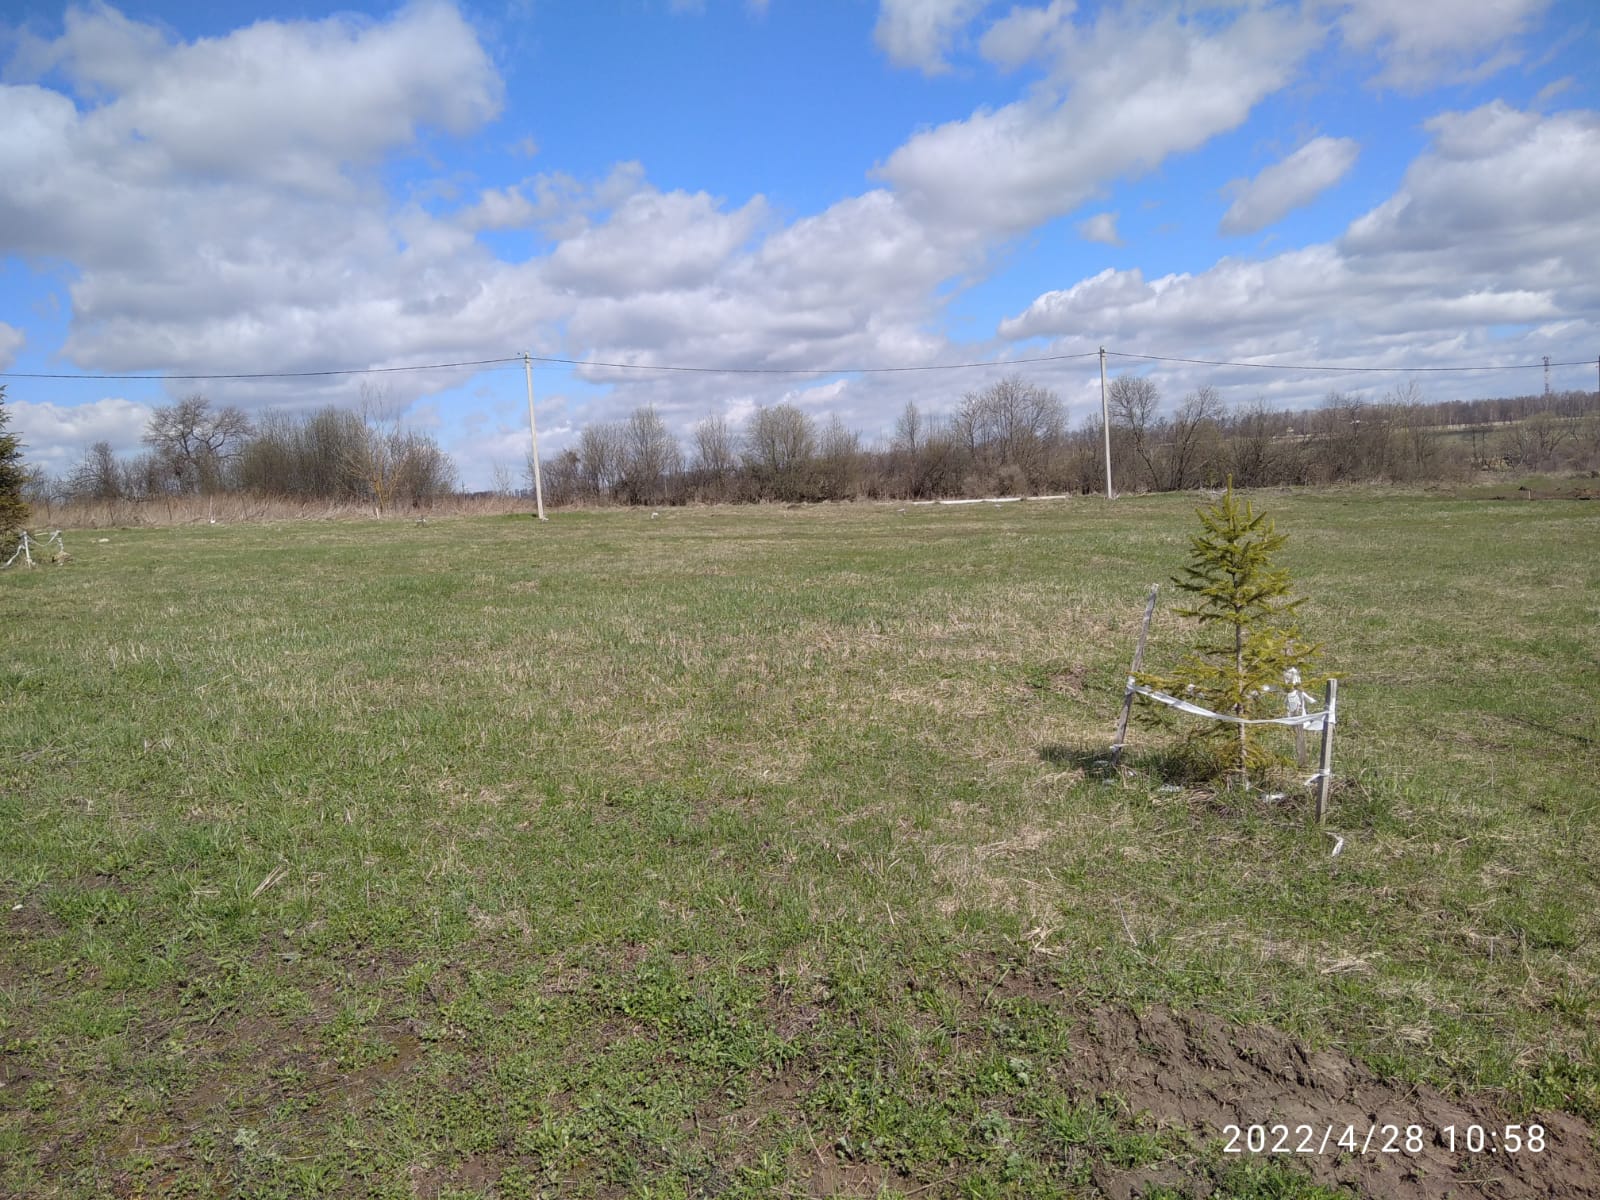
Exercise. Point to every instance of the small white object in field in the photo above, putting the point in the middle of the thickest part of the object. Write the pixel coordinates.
(1338, 843)
(653, 516)
(16, 908)
(102, 539)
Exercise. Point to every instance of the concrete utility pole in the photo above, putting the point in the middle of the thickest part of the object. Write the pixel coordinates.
(533, 427)
(1547, 377)
(1105, 419)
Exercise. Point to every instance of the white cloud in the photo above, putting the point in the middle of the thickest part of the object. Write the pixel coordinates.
(183, 270)
(1500, 190)
(499, 208)
(1025, 34)
(55, 437)
(1130, 92)
(1553, 89)
(1491, 228)
(1423, 43)
(12, 340)
(853, 284)
(1102, 227)
(824, 397)
(189, 254)
(286, 102)
(653, 241)
(212, 199)
(920, 33)
(1289, 184)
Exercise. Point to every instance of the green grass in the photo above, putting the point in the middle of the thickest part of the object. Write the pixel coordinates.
(755, 852)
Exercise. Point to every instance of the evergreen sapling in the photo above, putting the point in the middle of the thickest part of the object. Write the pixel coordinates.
(13, 508)
(1249, 635)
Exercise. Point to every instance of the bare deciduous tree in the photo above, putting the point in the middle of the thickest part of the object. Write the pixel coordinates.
(838, 461)
(1535, 443)
(196, 444)
(651, 458)
(1191, 441)
(1008, 430)
(714, 455)
(98, 476)
(1133, 402)
(1250, 451)
(500, 479)
(600, 454)
(562, 477)
(424, 473)
(394, 463)
(780, 444)
(908, 430)
(374, 458)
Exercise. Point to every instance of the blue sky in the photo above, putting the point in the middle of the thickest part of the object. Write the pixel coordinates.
(806, 187)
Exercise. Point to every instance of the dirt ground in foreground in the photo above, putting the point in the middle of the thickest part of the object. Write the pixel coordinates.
(1200, 1073)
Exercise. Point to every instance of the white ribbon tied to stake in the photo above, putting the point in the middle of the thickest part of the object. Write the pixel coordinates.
(1297, 702)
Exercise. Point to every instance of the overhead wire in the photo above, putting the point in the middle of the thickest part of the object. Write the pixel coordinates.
(482, 362)
(548, 359)
(1216, 362)
(600, 364)
(963, 366)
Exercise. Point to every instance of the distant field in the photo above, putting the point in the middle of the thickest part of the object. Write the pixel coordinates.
(763, 852)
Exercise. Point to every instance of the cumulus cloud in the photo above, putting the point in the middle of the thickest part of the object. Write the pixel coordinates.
(197, 248)
(919, 33)
(1125, 94)
(212, 199)
(1025, 34)
(12, 340)
(1419, 44)
(853, 284)
(57, 436)
(1289, 184)
(1500, 190)
(232, 268)
(653, 241)
(287, 102)
(1491, 228)
(1102, 227)
(499, 208)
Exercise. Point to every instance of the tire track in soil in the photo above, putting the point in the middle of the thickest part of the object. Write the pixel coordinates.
(1198, 1072)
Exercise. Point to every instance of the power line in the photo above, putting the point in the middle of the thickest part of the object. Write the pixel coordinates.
(1214, 362)
(965, 366)
(625, 366)
(482, 362)
(571, 362)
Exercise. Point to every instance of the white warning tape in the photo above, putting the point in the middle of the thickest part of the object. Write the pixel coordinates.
(1306, 720)
(26, 544)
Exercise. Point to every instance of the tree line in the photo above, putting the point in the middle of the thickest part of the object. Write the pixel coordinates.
(1012, 438)
(193, 448)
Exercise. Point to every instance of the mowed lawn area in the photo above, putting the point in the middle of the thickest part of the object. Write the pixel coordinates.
(764, 852)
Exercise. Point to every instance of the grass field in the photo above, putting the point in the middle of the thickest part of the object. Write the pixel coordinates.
(763, 852)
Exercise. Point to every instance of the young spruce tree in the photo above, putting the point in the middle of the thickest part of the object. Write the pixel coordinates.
(13, 509)
(1249, 633)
